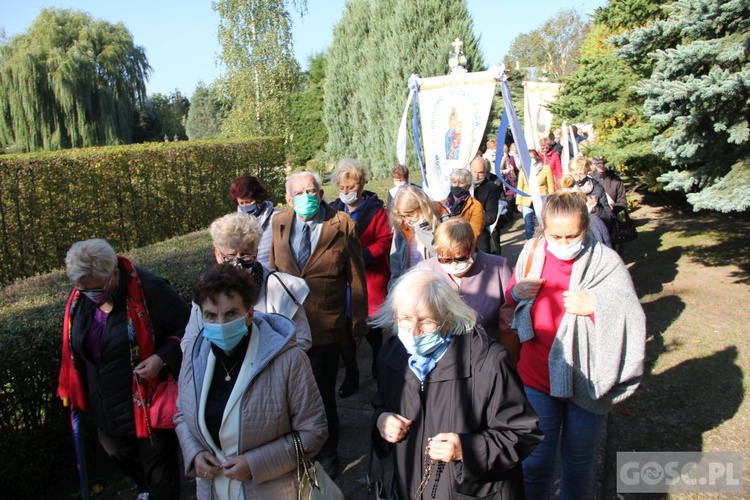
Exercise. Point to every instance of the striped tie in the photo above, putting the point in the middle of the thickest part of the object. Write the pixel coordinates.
(304, 249)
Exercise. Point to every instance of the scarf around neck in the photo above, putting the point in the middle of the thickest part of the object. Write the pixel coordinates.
(422, 365)
(71, 388)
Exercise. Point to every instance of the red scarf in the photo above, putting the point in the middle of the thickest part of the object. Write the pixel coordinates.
(70, 386)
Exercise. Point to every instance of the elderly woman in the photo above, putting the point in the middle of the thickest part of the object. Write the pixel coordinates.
(582, 333)
(244, 389)
(449, 405)
(460, 203)
(251, 198)
(544, 183)
(478, 277)
(236, 239)
(121, 335)
(375, 237)
(414, 218)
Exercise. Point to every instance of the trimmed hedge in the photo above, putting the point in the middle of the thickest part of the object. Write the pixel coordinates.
(36, 447)
(131, 195)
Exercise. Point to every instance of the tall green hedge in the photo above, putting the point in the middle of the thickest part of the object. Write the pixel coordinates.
(131, 195)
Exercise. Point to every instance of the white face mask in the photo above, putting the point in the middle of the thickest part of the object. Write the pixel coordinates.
(565, 252)
(350, 198)
(459, 269)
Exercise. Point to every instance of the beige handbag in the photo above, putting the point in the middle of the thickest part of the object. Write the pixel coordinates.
(312, 481)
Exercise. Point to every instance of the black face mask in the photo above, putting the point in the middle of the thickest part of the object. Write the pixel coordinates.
(458, 191)
(583, 181)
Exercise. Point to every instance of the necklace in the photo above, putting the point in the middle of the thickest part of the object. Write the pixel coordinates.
(229, 376)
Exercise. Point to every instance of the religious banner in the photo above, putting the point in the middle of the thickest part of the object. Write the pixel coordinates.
(453, 112)
(537, 119)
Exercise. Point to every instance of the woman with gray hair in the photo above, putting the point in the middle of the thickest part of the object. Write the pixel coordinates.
(449, 404)
(121, 337)
(460, 203)
(236, 238)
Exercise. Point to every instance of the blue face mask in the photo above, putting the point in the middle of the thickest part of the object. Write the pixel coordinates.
(249, 209)
(225, 336)
(306, 205)
(422, 345)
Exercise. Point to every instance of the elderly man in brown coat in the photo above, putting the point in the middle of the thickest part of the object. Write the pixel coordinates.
(320, 245)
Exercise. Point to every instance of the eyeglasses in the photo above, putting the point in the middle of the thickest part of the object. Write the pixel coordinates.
(92, 291)
(448, 260)
(244, 260)
(423, 325)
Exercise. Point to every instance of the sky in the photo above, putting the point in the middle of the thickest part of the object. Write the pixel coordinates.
(179, 36)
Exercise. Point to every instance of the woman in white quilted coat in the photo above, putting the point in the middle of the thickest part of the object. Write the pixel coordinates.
(244, 389)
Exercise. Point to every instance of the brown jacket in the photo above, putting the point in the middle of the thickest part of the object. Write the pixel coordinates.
(335, 262)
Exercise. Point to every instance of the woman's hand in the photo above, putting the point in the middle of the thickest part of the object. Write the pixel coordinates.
(446, 447)
(527, 288)
(393, 427)
(237, 468)
(206, 465)
(150, 367)
(579, 303)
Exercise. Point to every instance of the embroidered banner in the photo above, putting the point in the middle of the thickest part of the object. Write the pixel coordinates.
(537, 119)
(453, 111)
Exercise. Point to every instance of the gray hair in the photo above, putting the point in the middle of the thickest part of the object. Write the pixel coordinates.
(462, 175)
(236, 230)
(350, 168)
(298, 175)
(93, 258)
(422, 290)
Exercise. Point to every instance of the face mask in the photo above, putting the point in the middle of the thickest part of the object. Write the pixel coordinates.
(398, 184)
(459, 269)
(565, 252)
(225, 336)
(478, 182)
(349, 199)
(422, 345)
(415, 222)
(306, 205)
(458, 191)
(100, 297)
(249, 209)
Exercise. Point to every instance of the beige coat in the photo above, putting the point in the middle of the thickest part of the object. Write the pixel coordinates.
(280, 395)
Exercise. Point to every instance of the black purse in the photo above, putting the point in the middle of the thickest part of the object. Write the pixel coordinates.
(376, 489)
(624, 228)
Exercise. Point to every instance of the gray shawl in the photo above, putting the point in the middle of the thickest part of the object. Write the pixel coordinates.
(594, 363)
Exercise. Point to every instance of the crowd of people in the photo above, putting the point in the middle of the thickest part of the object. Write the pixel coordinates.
(484, 369)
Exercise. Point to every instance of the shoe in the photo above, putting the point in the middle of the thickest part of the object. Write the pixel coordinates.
(349, 385)
(142, 496)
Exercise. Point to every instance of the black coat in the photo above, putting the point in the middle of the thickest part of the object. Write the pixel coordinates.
(109, 380)
(474, 392)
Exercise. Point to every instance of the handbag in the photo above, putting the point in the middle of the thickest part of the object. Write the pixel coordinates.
(376, 489)
(624, 228)
(312, 481)
(163, 404)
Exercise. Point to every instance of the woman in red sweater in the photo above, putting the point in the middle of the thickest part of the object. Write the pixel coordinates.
(375, 236)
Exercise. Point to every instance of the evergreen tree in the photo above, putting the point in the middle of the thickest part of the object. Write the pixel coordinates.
(601, 92)
(308, 134)
(205, 115)
(699, 97)
(262, 74)
(377, 45)
(70, 81)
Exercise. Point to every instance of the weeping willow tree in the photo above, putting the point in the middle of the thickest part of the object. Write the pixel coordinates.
(70, 81)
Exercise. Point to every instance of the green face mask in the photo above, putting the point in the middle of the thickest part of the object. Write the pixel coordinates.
(306, 205)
